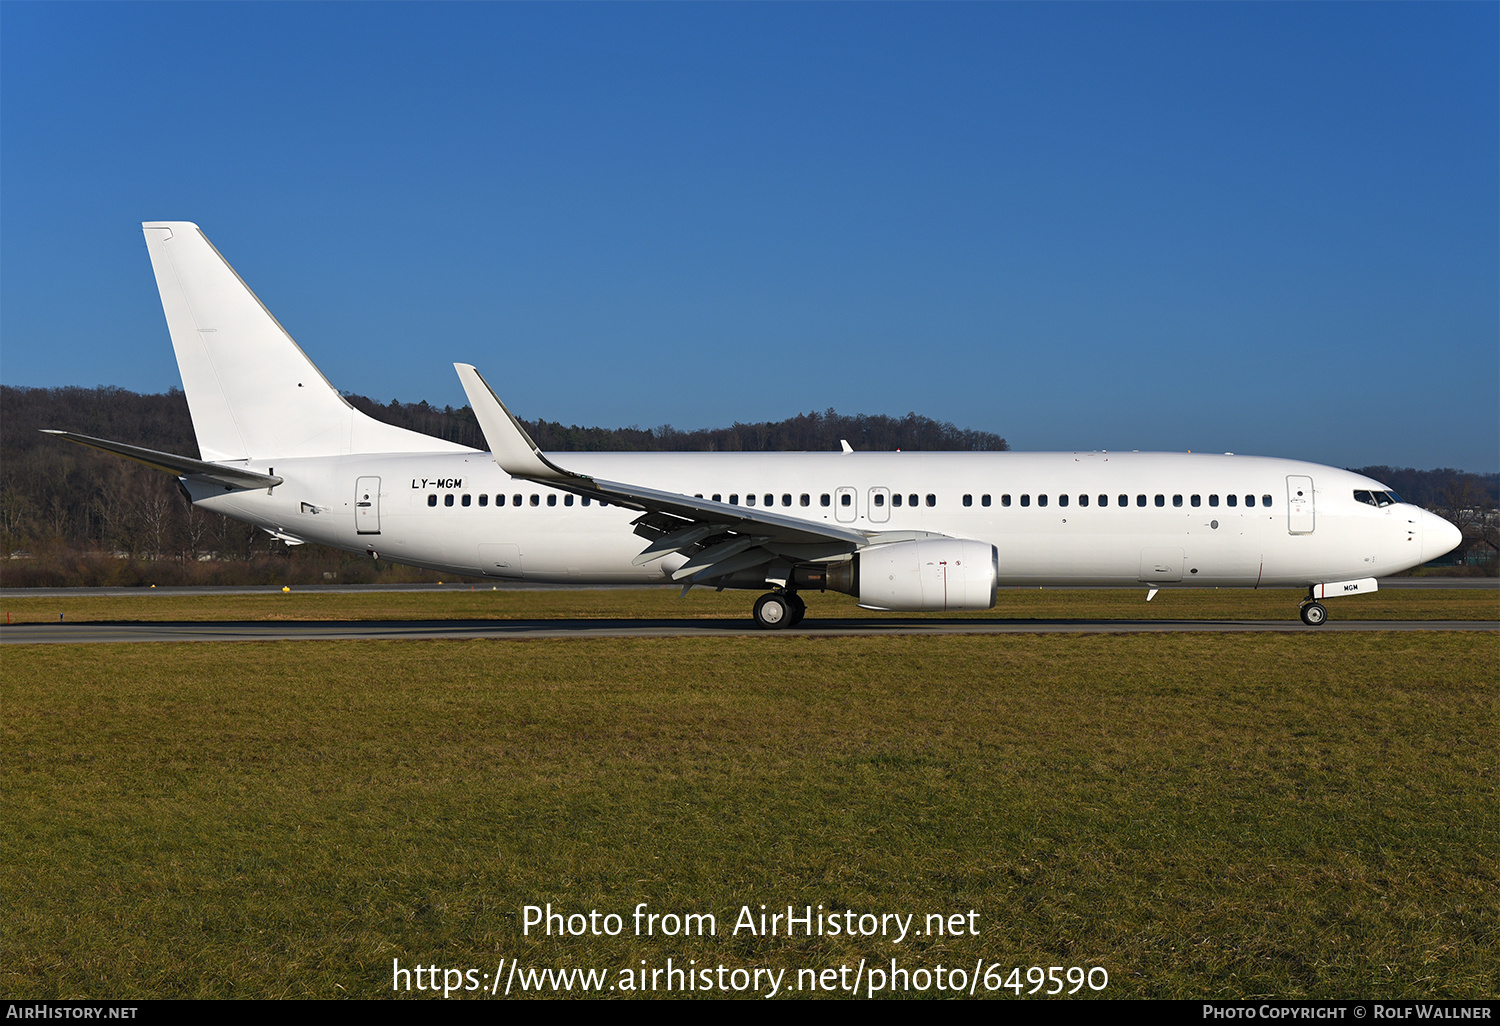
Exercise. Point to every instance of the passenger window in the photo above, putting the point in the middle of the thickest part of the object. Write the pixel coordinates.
(734, 498)
(552, 500)
(912, 499)
(1265, 500)
(846, 499)
(1177, 500)
(1005, 500)
(931, 499)
(805, 499)
(448, 499)
(1197, 500)
(770, 499)
(718, 497)
(536, 500)
(1062, 500)
(587, 500)
(1041, 500)
(1213, 500)
(1083, 500)
(568, 500)
(515, 500)
(968, 500)
(1231, 500)
(1026, 500)
(484, 500)
(1140, 500)
(432, 500)
(823, 500)
(984, 500)
(786, 499)
(1249, 500)
(1124, 500)
(1104, 500)
(896, 499)
(1161, 500)
(750, 499)
(467, 499)
(879, 500)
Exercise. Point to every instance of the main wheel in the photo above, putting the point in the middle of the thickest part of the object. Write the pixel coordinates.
(799, 609)
(1313, 614)
(772, 611)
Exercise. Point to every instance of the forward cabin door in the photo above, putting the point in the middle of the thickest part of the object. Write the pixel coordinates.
(1300, 514)
(367, 505)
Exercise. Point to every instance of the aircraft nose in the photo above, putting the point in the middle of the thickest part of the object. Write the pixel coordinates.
(1439, 537)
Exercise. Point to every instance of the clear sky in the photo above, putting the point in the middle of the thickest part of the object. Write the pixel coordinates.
(1259, 228)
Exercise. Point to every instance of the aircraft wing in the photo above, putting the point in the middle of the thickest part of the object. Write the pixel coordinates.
(182, 466)
(719, 538)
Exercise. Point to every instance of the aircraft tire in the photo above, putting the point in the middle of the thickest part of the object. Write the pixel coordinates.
(798, 608)
(1313, 614)
(773, 612)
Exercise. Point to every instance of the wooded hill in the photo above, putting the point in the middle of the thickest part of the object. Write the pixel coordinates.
(74, 516)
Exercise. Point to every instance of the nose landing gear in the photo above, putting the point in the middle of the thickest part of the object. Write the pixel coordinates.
(1313, 614)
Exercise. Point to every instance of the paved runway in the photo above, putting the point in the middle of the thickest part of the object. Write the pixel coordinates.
(1399, 583)
(409, 630)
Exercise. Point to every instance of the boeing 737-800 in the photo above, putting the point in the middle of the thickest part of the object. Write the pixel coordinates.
(281, 449)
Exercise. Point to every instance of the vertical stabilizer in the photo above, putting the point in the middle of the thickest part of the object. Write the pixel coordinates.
(252, 391)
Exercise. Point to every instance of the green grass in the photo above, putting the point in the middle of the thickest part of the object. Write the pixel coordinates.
(1229, 816)
(664, 603)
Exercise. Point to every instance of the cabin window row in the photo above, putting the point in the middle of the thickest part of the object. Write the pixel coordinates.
(1141, 500)
(912, 499)
(515, 500)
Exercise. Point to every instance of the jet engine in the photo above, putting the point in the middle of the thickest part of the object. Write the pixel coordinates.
(938, 573)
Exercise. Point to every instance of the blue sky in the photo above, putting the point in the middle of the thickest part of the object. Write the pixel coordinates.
(1267, 228)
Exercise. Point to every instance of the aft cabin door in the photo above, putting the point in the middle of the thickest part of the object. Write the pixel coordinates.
(1299, 504)
(367, 505)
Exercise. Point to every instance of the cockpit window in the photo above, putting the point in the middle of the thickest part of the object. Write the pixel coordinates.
(1376, 498)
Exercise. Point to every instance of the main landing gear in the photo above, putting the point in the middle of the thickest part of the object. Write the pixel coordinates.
(1312, 612)
(779, 609)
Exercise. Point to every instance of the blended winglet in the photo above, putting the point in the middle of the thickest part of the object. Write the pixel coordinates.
(512, 447)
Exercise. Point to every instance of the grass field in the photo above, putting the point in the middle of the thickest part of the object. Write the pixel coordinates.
(1296, 815)
(664, 603)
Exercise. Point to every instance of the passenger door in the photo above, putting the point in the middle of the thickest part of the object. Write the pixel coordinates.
(367, 505)
(1300, 514)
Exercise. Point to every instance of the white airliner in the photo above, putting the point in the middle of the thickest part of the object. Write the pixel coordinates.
(282, 450)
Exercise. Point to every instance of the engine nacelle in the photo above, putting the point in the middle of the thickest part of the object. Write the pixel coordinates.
(941, 573)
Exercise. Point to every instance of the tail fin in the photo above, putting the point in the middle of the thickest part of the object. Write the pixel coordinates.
(252, 391)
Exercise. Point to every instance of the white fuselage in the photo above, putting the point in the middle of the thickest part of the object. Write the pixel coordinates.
(1162, 519)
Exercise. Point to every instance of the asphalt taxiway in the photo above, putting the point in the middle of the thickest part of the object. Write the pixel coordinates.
(413, 630)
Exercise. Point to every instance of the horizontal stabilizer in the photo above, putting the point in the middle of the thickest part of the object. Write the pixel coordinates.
(182, 466)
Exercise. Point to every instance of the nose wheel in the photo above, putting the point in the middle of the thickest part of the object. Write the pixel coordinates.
(779, 609)
(1313, 614)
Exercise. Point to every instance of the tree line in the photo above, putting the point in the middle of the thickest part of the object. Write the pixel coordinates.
(74, 516)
